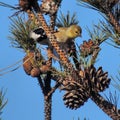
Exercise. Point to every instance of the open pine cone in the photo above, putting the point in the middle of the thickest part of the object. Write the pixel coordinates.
(87, 48)
(98, 79)
(75, 98)
(76, 95)
(92, 81)
(49, 6)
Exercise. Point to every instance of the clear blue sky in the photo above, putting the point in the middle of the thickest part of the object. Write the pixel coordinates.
(25, 100)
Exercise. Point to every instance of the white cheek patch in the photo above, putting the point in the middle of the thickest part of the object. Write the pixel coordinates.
(34, 36)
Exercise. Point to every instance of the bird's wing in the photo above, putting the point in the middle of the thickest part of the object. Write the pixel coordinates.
(62, 29)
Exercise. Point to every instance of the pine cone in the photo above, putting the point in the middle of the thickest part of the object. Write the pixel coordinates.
(44, 69)
(27, 63)
(28, 5)
(87, 48)
(49, 7)
(76, 95)
(98, 80)
(75, 98)
(35, 72)
(24, 4)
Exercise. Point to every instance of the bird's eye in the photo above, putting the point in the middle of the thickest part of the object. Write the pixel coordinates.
(76, 32)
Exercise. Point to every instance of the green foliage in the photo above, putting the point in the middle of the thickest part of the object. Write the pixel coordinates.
(110, 11)
(98, 34)
(66, 20)
(2, 102)
(20, 30)
(109, 30)
(104, 31)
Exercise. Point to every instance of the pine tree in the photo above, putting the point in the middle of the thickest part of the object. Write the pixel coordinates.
(78, 76)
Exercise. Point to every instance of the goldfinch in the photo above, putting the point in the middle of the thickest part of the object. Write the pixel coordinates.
(63, 34)
(68, 33)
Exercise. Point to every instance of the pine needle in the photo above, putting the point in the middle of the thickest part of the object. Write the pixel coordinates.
(20, 31)
(66, 20)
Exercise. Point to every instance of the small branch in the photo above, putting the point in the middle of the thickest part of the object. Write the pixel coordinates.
(52, 90)
(94, 56)
(52, 21)
(70, 45)
(47, 98)
(41, 84)
(114, 22)
(75, 59)
(106, 106)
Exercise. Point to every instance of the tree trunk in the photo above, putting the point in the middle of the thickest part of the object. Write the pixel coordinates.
(46, 88)
(47, 107)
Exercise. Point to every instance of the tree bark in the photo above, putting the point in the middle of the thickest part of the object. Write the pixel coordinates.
(47, 107)
(106, 106)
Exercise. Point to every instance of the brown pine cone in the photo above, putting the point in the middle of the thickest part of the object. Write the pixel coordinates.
(44, 69)
(49, 7)
(27, 64)
(98, 79)
(87, 48)
(75, 98)
(35, 72)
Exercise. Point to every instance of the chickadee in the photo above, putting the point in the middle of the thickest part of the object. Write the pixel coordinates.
(39, 36)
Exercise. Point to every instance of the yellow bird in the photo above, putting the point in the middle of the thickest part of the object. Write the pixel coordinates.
(68, 33)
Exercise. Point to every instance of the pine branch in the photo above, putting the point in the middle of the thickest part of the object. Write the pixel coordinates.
(110, 32)
(112, 20)
(98, 34)
(99, 5)
(48, 107)
(108, 10)
(112, 98)
(52, 90)
(78, 89)
(41, 84)
(106, 106)
(20, 31)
